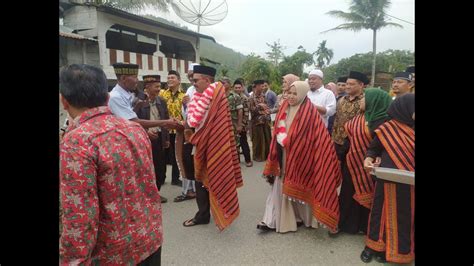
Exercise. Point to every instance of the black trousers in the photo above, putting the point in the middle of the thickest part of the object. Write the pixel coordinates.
(159, 161)
(203, 214)
(245, 146)
(188, 161)
(204, 206)
(152, 260)
(353, 216)
(172, 159)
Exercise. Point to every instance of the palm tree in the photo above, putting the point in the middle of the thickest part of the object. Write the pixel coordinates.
(323, 54)
(136, 5)
(365, 14)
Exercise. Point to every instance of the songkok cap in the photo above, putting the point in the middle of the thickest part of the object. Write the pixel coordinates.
(359, 76)
(191, 66)
(258, 82)
(410, 69)
(151, 78)
(317, 72)
(125, 69)
(342, 79)
(403, 75)
(205, 70)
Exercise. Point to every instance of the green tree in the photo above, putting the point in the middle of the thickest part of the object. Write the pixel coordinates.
(294, 64)
(136, 5)
(323, 54)
(389, 61)
(365, 14)
(224, 71)
(255, 67)
(276, 52)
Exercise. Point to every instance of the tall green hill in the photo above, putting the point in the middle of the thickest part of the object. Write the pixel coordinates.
(227, 58)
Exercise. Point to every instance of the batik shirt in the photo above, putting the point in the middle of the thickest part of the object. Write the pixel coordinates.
(111, 205)
(346, 110)
(174, 102)
(258, 113)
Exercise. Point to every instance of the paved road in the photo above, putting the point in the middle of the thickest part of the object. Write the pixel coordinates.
(242, 243)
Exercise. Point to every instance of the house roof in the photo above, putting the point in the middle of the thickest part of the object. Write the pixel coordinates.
(121, 13)
(75, 36)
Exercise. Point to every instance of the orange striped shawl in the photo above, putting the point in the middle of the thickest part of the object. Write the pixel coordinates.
(216, 163)
(312, 170)
(398, 140)
(359, 138)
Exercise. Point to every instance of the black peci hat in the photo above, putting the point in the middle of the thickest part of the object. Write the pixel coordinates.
(359, 76)
(205, 70)
(342, 79)
(403, 75)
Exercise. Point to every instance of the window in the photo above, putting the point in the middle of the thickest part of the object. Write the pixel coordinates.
(176, 48)
(132, 40)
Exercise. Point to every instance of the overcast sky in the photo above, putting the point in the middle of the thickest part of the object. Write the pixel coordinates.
(251, 23)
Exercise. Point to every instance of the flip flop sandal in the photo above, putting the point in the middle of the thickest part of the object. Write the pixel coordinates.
(190, 222)
(181, 198)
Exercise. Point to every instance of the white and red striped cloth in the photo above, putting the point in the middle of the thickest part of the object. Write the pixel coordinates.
(280, 129)
(199, 105)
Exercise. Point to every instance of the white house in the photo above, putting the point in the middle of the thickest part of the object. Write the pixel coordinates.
(101, 35)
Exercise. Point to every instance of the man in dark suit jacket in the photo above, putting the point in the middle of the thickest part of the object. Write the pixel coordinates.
(154, 108)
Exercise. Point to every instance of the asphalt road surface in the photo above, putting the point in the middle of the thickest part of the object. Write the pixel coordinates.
(242, 243)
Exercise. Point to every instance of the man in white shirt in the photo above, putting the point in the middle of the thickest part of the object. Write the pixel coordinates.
(188, 188)
(120, 100)
(322, 98)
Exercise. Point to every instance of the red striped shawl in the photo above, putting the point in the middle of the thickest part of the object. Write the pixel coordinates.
(215, 160)
(312, 170)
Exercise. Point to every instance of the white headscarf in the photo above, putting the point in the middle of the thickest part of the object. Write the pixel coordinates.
(302, 89)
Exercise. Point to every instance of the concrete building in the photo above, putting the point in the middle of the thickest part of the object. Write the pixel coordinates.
(101, 35)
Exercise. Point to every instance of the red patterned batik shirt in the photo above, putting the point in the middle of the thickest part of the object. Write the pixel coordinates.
(111, 205)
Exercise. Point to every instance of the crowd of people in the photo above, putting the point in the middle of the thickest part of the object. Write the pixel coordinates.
(319, 144)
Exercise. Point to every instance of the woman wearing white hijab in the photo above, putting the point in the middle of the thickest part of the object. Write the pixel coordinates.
(302, 168)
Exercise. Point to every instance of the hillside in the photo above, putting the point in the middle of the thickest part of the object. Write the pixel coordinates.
(229, 59)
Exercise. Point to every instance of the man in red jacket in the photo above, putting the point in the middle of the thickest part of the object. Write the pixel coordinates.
(111, 204)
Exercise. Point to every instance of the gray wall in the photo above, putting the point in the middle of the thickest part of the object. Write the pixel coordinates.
(71, 52)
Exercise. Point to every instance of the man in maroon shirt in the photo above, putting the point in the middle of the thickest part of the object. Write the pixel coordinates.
(111, 205)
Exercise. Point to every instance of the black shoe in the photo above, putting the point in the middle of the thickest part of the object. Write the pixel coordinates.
(298, 224)
(163, 199)
(334, 234)
(177, 183)
(366, 255)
